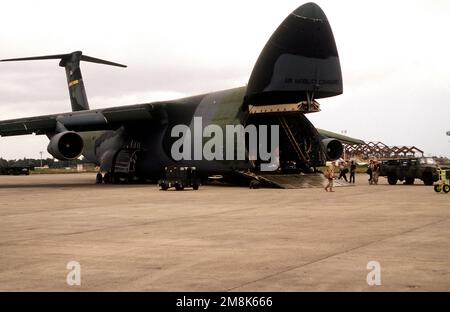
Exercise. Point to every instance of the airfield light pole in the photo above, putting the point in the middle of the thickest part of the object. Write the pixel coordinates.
(41, 157)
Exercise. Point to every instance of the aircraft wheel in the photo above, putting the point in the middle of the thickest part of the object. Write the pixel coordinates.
(179, 187)
(120, 178)
(392, 180)
(427, 179)
(446, 188)
(254, 184)
(107, 178)
(437, 188)
(164, 186)
(99, 178)
(115, 179)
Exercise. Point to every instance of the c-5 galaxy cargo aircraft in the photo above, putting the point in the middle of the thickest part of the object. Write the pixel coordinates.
(298, 65)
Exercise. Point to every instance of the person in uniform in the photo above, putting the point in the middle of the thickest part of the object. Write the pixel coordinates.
(329, 174)
(375, 172)
(352, 171)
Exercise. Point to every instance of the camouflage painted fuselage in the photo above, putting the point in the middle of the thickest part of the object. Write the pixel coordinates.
(155, 141)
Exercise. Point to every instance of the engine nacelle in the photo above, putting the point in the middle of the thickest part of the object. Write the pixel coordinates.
(333, 148)
(66, 145)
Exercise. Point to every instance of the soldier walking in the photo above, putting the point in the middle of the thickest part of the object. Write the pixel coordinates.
(329, 174)
(369, 170)
(375, 172)
(343, 171)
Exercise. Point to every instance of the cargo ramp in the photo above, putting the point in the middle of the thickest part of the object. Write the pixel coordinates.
(290, 181)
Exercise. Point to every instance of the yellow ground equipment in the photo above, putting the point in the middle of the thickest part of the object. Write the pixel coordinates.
(443, 184)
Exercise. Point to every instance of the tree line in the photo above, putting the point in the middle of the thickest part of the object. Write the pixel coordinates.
(50, 162)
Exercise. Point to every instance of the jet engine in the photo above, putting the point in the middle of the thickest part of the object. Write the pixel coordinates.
(333, 148)
(66, 145)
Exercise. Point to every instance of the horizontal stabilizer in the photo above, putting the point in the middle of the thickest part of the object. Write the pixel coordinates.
(36, 58)
(64, 58)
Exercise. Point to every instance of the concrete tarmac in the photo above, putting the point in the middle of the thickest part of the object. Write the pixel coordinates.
(137, 238)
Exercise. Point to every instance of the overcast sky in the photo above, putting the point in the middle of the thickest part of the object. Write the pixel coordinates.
(395, 59)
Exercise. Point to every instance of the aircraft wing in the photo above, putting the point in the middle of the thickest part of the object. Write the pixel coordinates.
(87, 120)
(343, 138)
(107, 119)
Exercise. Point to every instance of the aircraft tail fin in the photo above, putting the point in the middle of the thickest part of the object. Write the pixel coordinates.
(300, 62)
(71, 62)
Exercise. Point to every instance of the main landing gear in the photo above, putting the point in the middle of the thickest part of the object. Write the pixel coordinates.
(123, 168)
